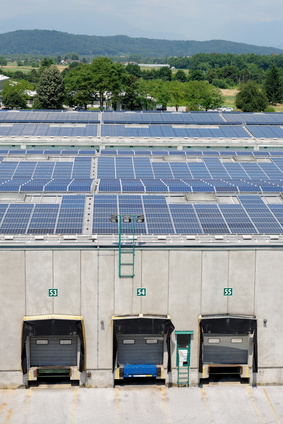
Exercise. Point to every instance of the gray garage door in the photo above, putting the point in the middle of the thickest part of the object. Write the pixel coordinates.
(225, 349)
(53, 351)
(140, 349)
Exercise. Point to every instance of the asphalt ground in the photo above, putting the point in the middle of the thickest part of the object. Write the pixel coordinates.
(227, 404)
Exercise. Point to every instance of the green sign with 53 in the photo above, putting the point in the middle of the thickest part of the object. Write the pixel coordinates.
(53, 292)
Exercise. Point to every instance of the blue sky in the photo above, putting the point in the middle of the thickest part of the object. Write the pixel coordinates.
(257, 22)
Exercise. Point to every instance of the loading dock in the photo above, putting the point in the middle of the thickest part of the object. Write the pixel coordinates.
(53, 346)
(228, 345)
(141, 346)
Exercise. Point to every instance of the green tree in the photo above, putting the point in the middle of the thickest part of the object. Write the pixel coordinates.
(14, 94)
(251, 98)
(79, 83)
(50, 89)
(196, 75)
(180, 76)
(273, 86)
(202, 95)
(3, 61)
(176, 90)
(108, 79)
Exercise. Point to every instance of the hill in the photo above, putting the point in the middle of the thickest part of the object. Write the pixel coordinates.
(45, 42)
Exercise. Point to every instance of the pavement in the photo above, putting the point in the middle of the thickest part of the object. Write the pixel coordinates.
(217, 404)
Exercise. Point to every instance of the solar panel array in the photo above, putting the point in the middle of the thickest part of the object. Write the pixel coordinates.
(26, 218)
(33, 116)
(221, 131)
(48, 130)
(249, 216)
(137, 181)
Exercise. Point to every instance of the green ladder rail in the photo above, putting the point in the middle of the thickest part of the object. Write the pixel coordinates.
(126, 251)
(183, 376)
(126, 260)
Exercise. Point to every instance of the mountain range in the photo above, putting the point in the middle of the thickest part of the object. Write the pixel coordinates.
(51, 43)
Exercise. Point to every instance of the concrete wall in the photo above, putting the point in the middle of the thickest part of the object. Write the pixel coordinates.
(181, 283)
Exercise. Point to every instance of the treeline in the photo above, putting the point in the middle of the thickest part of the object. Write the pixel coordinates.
(129, 86)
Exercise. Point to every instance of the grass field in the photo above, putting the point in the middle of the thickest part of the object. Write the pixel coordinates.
(230, 95)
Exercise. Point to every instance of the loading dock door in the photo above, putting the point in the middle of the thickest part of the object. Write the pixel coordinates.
(53, 340)
(138, 346)
(228, 340)
(53, 351)
(225, 349)
(140, 349)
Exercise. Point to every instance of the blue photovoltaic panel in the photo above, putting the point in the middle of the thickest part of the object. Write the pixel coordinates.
(260, 215)
(71, 214)
(237, 219)
(132, 186)
(43, 219)
(198, 170)
(198, 185)
(157, 215)
(176, 185)
(162, 170)
(25, 170)
(211, 219)
(36, 185)
(80, 185)
(3, 208)
(82, 167)
(180, 170)
(185, 219)
(154, 185)
(109, 185)
(44, 170)
(106, 167)
(131, 205)
(215, 168)
(16, 219)
(63, 170)
(142, 167)
(60, 185)
(103, 208)
(124, 167)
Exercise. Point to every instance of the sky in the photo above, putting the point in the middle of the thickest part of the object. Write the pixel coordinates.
(258, 22)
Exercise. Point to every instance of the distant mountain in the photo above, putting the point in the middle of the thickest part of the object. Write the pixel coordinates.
(51, 43)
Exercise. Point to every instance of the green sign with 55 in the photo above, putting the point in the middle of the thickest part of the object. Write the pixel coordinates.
(228, 291)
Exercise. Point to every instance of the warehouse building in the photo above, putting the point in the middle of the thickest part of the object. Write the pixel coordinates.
(141, 245)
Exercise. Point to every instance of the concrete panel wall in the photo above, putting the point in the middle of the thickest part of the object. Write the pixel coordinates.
(269, 306)
(39, 279)
(12, 295)
(182, 283)
(215, 277)
(242, 275)
(66, 271)
(155, 266)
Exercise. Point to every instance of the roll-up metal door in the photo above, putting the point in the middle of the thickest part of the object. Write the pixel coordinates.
(53, 351)
(225, 349)
(140, 349)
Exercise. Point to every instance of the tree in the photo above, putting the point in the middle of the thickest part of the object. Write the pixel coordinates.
(108, 78)
(274, 86)
(251, 98)
(180, 76)
(14, 94)
(176, 90)
(202, 95)
(79, 83)
(50, 89)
